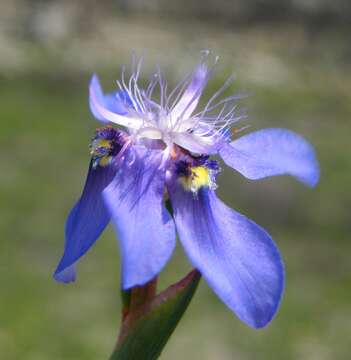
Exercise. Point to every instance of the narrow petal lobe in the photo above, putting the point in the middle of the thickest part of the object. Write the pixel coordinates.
(85, 223)
(195, 143)
(237, 258)
(272, 152)
(145, 229)
(110, 107)
(191, 96)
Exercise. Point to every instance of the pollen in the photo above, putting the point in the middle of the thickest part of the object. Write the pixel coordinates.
(199, 176)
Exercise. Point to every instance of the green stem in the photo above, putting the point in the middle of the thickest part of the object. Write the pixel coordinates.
(150, 319)
(134, 298)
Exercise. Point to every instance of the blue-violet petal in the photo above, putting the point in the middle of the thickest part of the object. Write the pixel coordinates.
(270, 152)
(85, 223)
(237, 257)
(145, 228)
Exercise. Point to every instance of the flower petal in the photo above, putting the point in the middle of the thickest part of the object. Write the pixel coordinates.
(272, 152)
(191, 96)
(236, 257)
(195, 143)
(145, 228)
(110, 107)
(85, 223)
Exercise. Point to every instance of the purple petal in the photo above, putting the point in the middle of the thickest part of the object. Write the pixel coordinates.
(145, 228)
(236, 257)
(111, 107)
(195, 143)
(111, 101)
(116, 102)
(85, 223)
(272, 152)
(191, 96)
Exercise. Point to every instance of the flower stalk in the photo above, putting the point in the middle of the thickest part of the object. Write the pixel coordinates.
(135, 298)
(149, 320)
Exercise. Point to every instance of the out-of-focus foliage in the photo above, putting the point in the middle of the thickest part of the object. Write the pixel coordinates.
(297, 73)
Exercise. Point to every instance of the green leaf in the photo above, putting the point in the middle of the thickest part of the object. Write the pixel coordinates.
(146, 330)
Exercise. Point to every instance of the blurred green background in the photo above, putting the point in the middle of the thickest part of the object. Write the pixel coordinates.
(292, 57)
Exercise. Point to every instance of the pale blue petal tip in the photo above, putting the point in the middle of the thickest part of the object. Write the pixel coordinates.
(65, 276)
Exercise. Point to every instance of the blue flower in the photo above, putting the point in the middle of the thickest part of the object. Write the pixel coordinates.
(163, 154)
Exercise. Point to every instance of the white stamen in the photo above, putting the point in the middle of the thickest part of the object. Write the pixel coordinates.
(170, 118)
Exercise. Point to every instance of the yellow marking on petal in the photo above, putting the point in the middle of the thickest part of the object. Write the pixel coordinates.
(104, 161)
(100, 150)
(105, 143)
(100, 143)
(199, 177)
